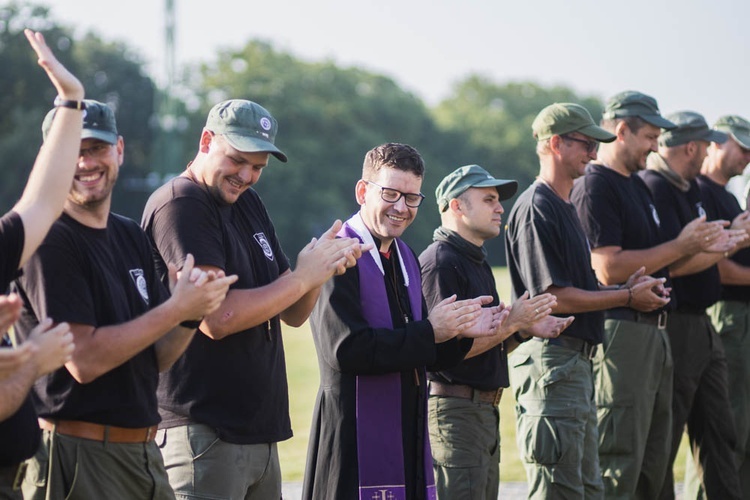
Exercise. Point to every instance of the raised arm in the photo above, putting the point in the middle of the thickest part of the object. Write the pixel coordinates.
(49, 183)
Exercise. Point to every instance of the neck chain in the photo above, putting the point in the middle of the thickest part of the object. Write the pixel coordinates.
(547, 183)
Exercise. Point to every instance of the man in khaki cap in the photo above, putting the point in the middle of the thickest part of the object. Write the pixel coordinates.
(224, 404)
(700, 397)
(463, 414)
(548, 252)
(730, 316)
(633, 370)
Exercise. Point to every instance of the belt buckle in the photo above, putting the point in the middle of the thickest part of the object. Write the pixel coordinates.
(150, 433)
(20, 475)
(661, 323)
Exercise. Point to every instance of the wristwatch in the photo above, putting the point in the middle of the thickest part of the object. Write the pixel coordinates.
(67, 103)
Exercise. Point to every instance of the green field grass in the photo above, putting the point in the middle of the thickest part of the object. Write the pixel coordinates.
(302, 369)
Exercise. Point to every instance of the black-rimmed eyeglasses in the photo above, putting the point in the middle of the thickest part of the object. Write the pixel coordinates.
(98, 150)
(390, 195)
(591, 146)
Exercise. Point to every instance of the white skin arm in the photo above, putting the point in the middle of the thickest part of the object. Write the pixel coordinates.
(642, 293)
(292, 295)
(47, 349)
(47, 188)
(98, 350)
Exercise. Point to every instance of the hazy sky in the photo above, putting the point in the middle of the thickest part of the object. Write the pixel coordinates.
(689, 54)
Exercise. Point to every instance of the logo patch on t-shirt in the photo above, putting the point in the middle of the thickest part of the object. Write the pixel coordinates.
(655, 214)
(140, 283)
(701, 210)
(263, 242)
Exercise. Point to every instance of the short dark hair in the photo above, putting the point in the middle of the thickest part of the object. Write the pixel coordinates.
(634, 123)
(392, 155)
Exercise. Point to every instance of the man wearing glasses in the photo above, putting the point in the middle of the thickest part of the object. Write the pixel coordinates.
(374, 337)
(225, 403)
(548, 252)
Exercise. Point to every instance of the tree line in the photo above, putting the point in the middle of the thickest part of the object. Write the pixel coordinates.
(329, 116)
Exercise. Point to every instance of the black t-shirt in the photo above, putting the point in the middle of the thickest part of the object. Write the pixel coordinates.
(447, 270)
(545, 245)
(721, 204)
(11, 247)
(95, 277)
(238, 384)
(19, 433)
(676, 209)
(617, 211)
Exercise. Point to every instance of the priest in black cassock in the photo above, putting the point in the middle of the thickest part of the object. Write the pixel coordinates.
(374, 338)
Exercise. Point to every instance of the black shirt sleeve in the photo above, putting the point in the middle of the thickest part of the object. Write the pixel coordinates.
(11, 248)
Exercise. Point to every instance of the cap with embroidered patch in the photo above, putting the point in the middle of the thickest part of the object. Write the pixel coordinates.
(246, 125)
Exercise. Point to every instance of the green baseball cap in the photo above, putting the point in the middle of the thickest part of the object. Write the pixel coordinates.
(632, 103)
(470, 176)
(98, 122)
(737, 127)
(247, 126)
(567, 117)
(691, 126)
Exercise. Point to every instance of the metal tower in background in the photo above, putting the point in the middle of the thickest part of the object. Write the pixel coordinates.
(166, 122)
(169, 48)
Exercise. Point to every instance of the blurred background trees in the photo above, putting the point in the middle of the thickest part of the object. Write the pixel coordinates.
(329, 116)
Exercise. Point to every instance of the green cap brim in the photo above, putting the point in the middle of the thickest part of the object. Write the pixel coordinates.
(505, 188)
(742, 139)
(716, 136)
(658, 121)
(102, 135)
(597, 133)
(253, 145)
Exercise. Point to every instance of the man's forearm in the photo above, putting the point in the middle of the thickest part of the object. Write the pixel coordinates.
(15, 388)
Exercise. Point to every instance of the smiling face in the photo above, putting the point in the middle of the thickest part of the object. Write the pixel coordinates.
(730, 156)
(385, 220)
(98, 166)
(639, 145)
(226, 171)
(576, 154)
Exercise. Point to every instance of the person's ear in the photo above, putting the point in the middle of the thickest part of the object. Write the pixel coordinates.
(360, 190)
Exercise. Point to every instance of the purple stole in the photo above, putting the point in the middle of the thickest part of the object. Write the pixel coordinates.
(379, 441)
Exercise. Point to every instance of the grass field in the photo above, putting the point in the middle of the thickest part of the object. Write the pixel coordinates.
(302, 369)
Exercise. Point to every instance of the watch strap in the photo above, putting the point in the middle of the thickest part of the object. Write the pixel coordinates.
(69, 103)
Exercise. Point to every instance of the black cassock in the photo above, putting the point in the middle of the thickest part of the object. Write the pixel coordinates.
(347, 347)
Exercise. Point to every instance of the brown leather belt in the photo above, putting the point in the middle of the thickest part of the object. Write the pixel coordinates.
(12, 475)
(99, 432)
(465, 392)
